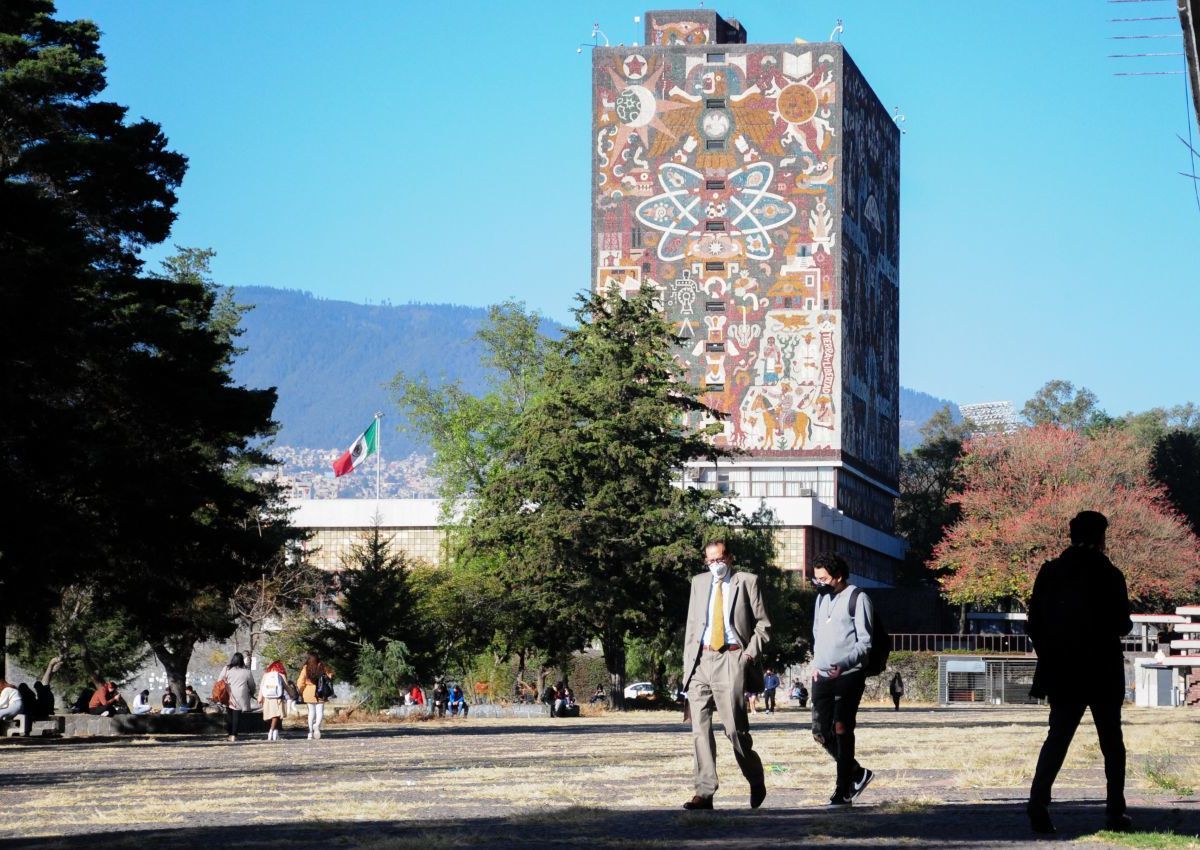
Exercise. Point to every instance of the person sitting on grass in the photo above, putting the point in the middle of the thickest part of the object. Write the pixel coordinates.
(600, 695)
(141, 703)
(170, 702)
(564, 698)
(416, 695)
(800, 694)
(458, 702)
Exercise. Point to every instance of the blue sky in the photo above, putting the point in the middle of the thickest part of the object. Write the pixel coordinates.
(439, 152)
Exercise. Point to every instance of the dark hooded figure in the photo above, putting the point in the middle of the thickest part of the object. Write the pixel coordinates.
(1078, 613)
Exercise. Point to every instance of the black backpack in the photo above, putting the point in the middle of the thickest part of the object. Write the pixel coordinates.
(325, 687)
(881, 639)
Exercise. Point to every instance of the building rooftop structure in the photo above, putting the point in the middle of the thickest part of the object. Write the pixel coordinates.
(988, 417)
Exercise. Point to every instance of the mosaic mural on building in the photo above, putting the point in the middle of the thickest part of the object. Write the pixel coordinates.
(716, 183)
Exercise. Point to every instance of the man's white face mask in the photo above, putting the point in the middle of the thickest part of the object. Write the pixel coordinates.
(719, 569)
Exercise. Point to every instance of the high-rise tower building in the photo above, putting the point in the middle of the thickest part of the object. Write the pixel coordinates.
(756, 188)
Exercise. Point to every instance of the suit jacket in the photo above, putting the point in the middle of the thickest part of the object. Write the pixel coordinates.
(1078, 613)
(747, 612)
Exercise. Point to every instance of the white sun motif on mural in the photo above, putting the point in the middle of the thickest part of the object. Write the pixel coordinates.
(676, 211)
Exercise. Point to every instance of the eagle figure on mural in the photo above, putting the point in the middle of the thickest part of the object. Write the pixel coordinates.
(745, 114)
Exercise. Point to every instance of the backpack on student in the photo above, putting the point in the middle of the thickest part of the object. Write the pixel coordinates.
(881, 639)
(325, 687)
(220, 692)
(272, 686)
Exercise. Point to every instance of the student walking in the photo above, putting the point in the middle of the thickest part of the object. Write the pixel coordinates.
(272, 691)
(770, 686)
(841, 647)
(1078, 613)
(896, 689)
(727, 630)
(315, 684)
(241, 693)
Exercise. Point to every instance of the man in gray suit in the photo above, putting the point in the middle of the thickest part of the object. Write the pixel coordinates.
(727, 629)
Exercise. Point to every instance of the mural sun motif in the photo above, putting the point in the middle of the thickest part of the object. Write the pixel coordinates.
(802, 102)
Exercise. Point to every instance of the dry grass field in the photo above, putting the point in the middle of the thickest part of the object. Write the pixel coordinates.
(946, 778)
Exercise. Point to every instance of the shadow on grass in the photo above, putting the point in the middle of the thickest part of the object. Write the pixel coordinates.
(918, 823)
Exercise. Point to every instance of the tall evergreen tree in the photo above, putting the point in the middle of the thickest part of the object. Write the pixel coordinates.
(584, 510)
(81, 190)
(120, 426)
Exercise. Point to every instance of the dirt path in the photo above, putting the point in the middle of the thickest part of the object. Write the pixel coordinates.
(946, 779)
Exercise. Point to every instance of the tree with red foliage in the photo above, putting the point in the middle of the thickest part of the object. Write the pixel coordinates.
(1020, 491)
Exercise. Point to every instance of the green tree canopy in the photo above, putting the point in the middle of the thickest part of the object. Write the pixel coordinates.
(928, 483)
(1059, 403)
(468, 433)
(81, 189)
(583, 512)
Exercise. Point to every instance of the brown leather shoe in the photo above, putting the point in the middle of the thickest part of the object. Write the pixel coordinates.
(758, 793)
(698, 802)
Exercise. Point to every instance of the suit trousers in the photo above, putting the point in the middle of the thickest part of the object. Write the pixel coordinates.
(1065, 715)
(717, 683)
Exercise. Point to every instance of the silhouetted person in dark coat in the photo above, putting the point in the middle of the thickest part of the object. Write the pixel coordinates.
(896, 689)
(1078, 613)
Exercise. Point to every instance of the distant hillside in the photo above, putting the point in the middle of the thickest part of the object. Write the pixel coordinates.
(332, 362)
(915, 410)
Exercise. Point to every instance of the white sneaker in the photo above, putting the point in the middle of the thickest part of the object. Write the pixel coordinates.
(310, 736)
(317, 734)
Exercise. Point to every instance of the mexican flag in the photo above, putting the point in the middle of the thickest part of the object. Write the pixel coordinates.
(360, 450)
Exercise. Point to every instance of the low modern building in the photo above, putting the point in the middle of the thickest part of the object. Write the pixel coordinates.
(807, 527)
(415, 526)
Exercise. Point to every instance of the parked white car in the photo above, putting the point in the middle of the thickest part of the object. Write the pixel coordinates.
(639, 690)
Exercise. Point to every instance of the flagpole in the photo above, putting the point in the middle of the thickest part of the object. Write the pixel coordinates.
(378, 455)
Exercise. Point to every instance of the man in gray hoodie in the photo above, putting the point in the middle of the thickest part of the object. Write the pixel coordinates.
(841, 645)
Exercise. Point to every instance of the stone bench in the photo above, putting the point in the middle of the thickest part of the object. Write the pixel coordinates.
(22, 726)
(188, 723)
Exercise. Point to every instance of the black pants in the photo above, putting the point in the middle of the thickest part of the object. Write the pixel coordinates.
(769, 699)
(1064, 720)
(834, 702)
(233, 718)
(896, 700)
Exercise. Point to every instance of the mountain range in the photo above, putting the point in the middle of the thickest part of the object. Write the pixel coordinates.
(332, 362)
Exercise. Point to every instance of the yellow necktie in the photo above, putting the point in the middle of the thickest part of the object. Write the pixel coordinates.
(717, 638)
